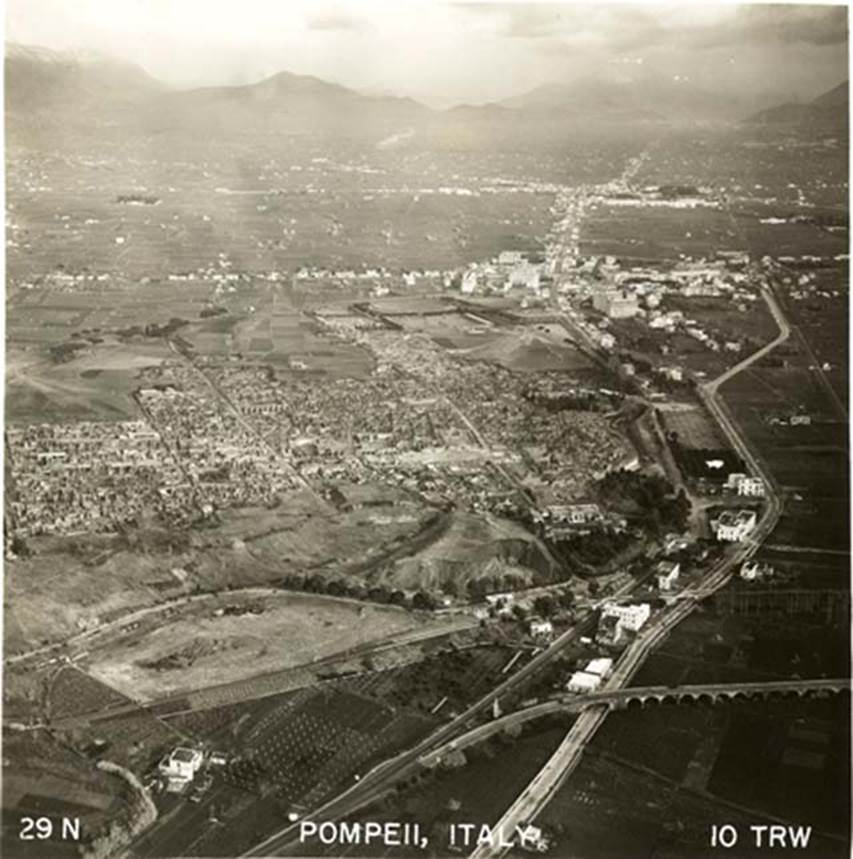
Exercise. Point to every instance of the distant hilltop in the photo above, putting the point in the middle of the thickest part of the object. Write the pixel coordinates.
(828, 109)
(85, 89)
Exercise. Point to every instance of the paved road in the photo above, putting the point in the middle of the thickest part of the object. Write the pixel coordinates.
(570, 703)
(553, 775)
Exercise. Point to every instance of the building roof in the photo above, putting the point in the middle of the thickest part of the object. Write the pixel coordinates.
(184, 755)
(599, 666)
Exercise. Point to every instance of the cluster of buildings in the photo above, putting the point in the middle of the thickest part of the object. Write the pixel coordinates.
(221, 454)
(90, 476)
(508, 271)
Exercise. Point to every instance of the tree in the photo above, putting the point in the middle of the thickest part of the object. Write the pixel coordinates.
(566, 599)
(450, 588)
(424, 601)
(398, 597)
(476, 589)
(545, 605)
(380, 594)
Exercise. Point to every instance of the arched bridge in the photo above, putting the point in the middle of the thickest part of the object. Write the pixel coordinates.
(620, 699)
(707, 692)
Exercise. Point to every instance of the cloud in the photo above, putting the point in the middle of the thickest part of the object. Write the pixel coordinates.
(808, 25)
(629, 27)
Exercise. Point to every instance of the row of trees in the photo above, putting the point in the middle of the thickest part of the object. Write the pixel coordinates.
(319, 584)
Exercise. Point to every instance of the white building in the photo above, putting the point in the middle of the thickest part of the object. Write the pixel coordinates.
(749, 570)
(667, 572)
(732, 526)
(469, 281)
(533, 839)
(180, 767)
(601, 666)
(541, 628)
(751, 487)
(581, 681)
(631, 617)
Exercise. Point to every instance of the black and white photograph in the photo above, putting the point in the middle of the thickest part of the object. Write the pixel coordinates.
(426, 430)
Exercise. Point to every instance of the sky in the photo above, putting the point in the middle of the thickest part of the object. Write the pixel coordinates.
(445, 53)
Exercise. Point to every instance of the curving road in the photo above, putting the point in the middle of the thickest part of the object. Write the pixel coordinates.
(557, 769)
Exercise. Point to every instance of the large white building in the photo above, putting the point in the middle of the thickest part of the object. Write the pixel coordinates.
(616, 620)
(631, 617)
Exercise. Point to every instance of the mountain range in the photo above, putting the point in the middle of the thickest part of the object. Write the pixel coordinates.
(82, 89)
(827, 109)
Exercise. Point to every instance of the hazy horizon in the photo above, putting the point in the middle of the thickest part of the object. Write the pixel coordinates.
(450, 53)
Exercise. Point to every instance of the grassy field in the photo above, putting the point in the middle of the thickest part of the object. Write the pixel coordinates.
(244, 638)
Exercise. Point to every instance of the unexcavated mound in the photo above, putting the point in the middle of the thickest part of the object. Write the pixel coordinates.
(475, 547)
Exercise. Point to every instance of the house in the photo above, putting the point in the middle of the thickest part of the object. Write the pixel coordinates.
(732, 526)
(751, 487)
(540, 628)
(532, 838)
(667, 572)
(180, 767)
(674, 374)
(749, 570)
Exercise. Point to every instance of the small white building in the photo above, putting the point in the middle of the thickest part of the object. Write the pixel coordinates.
(540, 628)
(532, 839)
(751, 487)
(180, 767)
(749, 570)
(582, 682)
(667, 572)
(469, 281)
